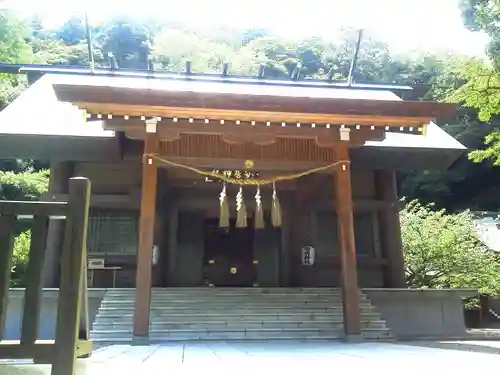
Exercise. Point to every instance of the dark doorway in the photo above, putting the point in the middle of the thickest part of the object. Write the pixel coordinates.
(228, 258)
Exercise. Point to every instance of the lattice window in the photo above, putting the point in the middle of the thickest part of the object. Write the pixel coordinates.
(112, 232)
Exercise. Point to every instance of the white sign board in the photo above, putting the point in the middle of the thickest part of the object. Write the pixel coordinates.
(156, 255)
(95, 263)
(307, 253)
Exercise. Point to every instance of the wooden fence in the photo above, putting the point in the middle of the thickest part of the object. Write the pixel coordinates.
(72, 329)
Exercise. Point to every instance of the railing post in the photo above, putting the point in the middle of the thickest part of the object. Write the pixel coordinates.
(72, 266)
(33, 294)
(7, 224)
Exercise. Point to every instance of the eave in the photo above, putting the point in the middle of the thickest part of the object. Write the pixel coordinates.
(237, 102)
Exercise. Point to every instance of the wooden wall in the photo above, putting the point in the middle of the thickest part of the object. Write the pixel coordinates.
(111, 178)
(319, 221)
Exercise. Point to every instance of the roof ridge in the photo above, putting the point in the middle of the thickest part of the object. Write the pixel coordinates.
(213, 77)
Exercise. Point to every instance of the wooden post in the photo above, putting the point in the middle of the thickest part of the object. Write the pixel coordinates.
(392, 246)
(33, 295)
(146, 232)
(60, 173)
(72, 266)
(7, 223)
(345, 221)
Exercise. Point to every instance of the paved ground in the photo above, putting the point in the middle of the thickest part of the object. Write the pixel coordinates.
(452, 357)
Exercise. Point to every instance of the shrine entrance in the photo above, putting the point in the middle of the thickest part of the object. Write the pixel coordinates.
(228, 254)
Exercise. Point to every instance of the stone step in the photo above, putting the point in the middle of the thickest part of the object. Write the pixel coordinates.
(234, 292)
(194, 334)
(260, 314)
(376, 333)
(228, 301)
(234, 300)
(106, 341)
(166, 325)
(219, 293)
(205, 314)
(234, 295)
(233, 309)
(221, 306)
(261, 333)
(208, 297)
(228, 316)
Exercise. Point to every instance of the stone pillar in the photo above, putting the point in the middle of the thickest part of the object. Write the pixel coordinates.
(390, 229)
(60, 173)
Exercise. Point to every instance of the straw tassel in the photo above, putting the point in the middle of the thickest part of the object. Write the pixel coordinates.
(275, 209)
(224, 209)
(259, 213)
(241, 214)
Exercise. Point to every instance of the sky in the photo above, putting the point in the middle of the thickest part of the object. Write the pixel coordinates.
(406, 25)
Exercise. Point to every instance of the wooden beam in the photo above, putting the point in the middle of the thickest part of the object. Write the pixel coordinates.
(7, 224)
(245, 132)
(119, 201)
(73, 264)
(368, 119)
(146, 233)
(33, 208)
(344, 206)
(42, 352)
(270, 99)
(33, 295)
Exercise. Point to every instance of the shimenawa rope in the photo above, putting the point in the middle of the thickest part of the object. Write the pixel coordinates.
(250, 181)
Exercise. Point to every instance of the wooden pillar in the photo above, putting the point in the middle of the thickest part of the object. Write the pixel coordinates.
(345, 221)
(390, 228)
(60, 173)
(146, 232)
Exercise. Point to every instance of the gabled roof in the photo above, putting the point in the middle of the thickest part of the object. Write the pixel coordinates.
(41, 111)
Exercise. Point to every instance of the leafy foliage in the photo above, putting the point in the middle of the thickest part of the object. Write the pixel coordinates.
(27, 185)
(481, 89)
(129, 41)
(441, 251)
(20, 258)
(13, 49)
(13, 34)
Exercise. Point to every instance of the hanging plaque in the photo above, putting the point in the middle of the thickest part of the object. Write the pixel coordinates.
(307, 255)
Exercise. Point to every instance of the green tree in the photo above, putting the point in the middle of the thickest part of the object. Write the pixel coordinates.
(54, 52)
(174, 47)
(13, 49)
(13, 35)
(27, 185)
(441, 251)
(481, 88)
(72, 32)
(129, 41)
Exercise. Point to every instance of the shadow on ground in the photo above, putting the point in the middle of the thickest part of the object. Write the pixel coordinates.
(452, 345)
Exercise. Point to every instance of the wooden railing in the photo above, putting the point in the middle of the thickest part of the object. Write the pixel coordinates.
(72, 327)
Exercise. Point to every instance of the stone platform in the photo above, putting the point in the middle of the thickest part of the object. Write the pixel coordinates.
(288, 357)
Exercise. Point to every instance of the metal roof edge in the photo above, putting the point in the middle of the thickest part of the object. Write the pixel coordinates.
(230, 78)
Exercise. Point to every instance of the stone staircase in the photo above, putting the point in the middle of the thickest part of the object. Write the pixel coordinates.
(192, 314)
